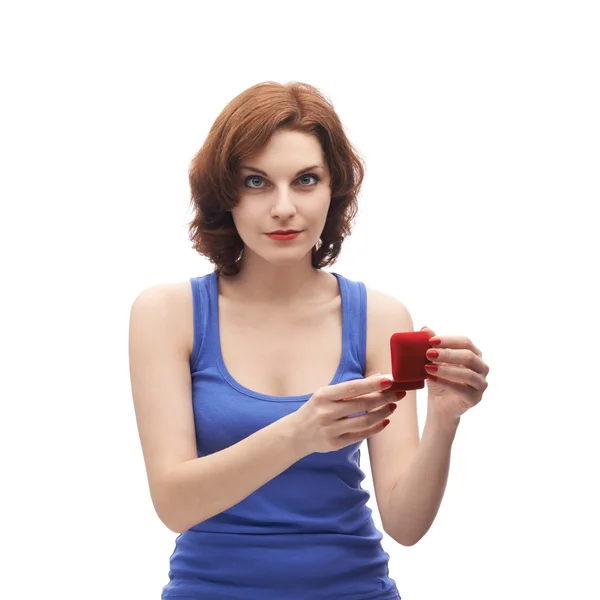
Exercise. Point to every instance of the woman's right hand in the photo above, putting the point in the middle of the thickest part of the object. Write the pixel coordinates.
(322, 423)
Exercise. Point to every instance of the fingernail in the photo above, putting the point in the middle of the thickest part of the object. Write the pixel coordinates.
(393, 407)
(400, 395)
(386, 383)
(386, 422)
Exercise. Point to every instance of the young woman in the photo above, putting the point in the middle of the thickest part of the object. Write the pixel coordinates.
(255, 385)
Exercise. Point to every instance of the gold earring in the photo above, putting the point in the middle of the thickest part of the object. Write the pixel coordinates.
(318, 244)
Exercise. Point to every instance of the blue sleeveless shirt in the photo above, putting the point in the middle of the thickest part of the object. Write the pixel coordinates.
(307, 534)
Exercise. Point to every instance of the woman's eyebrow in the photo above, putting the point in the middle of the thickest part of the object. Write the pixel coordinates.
(249, 168)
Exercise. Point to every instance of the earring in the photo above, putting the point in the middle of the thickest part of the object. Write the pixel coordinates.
(318, 244)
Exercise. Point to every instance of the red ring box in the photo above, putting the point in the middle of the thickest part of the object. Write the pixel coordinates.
(408, 350)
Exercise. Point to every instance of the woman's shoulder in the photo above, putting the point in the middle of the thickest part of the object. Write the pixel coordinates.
(171, 304)
(377, 299)
(163, 294)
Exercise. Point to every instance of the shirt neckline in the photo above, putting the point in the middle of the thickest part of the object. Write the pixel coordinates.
(214, 293)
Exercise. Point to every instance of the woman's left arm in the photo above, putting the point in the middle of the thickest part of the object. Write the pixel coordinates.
(458, 385)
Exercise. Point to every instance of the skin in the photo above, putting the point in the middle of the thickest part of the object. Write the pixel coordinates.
(277, 279)
(274, 272)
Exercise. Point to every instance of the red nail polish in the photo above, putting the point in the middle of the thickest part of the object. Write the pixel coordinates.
(431, 368)
(386, 383)
(432, 354)
(386, 422)
(435, 341)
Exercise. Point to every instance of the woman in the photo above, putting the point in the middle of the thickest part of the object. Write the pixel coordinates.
(243, 379)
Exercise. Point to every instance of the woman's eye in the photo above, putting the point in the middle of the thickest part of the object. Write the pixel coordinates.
(310, 175)
(253, 177)
(302, 177)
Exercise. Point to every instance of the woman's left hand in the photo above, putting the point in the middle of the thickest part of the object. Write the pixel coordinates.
(456, 379)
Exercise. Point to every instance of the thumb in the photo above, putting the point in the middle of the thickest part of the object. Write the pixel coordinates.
(429, 330)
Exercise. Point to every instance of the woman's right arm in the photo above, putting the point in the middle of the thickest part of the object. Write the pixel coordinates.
(185, 489)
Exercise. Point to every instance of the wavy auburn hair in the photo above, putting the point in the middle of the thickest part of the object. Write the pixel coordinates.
(242, 129)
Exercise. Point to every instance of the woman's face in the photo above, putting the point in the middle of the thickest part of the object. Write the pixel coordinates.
(275, 194)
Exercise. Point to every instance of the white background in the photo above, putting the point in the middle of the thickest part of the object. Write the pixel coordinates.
(479, 123)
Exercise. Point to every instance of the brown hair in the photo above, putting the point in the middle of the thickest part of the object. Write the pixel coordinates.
(243, 128)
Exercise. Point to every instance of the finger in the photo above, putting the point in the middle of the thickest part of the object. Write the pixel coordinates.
(387, 397)
(366, 421)
(457, 357)
(368, 404)
(458, 375)
(352, 438)
(357, 387)
(454, 341)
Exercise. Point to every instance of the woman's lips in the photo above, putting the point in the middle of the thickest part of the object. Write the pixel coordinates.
(284, 236)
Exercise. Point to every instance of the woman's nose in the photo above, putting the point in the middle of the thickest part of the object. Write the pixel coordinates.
(283, 204)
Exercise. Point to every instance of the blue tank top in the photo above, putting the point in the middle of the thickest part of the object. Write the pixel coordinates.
(307, 534)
